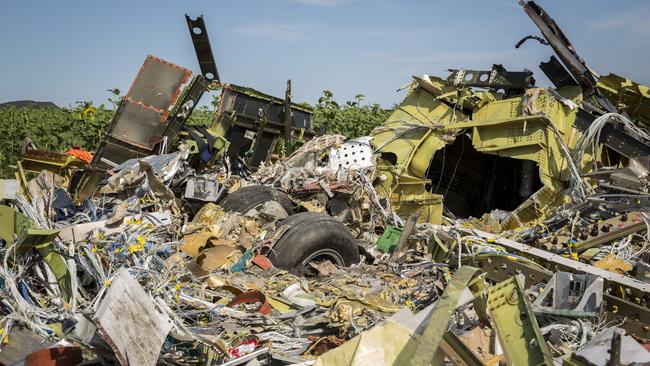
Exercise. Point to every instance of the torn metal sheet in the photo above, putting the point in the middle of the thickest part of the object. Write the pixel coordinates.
(130, 323)
(497, 78)
(252, 121)
(80, 232)
(146, 105)
(379, 346)
(24, 343)
(35, 161)
(149, 121)
(423, 350)
(599, 352)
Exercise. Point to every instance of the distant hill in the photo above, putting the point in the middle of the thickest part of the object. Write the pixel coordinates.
(29, 103)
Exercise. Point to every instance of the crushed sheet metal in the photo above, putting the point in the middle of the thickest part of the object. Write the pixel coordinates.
(597, 352)
(615, 278)
(422, 350)
(79, 232)
(130, 323)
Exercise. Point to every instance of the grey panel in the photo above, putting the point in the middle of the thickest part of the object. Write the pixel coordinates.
(157, 83)
(138, 125)
(110, 153)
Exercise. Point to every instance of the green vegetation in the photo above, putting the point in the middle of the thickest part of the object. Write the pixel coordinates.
(49, 128)
(352, 119)
(83, 125)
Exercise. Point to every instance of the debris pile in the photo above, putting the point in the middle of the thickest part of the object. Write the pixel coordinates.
(487, 221)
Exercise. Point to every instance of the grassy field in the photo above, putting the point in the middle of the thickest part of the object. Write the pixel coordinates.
(59, 129)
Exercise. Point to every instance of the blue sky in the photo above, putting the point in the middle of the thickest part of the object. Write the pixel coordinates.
(65, 51)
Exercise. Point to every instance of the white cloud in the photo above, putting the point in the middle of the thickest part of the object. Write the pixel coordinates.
(453, 58)
(635, 22)
(308, 32)
(391, 33)
(275, 32)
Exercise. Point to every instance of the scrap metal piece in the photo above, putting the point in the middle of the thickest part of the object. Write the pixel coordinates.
(129, 322)
(203, 188)
(458, 351)
(35, 161)
(157, 85)
(252, 297)
(202, 47)
(185, 106)
(23, 342)
(76, 233)
(17, 228)
(561, 45)
(352, 155)
(629, 96)
(261, 356)
(516, 325)
(642, 271)
(55, 355)
(288, 149)
(603, 350)
(497, 78)
(378, 345)
(569, 294)
(140, 120)
(634, 175)
(421, 351)
(13, 224)
(451, 344)
(617, 227)
(556, 73)
(158, 188)
(252, 121)
(632, 316)
(137, 124)
(409, 228)
(612, 280)
(593, 235)
(615, 136)
(59, 268)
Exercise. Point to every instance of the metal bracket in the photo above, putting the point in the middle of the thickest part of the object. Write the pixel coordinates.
(632, 317)
(516, 325)
(614, 136)
(203, 48)
(497, 78)
(556, 73)
(185, 105)
(569, 294)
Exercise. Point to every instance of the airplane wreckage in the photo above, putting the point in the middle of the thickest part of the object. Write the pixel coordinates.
(486, 222)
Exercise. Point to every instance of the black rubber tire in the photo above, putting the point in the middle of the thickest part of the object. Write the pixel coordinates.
(310, 233)
(247, 198)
